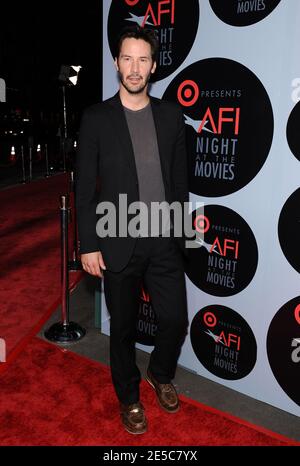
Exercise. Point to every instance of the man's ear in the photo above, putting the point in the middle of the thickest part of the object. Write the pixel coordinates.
(116, 64)
(153, 67)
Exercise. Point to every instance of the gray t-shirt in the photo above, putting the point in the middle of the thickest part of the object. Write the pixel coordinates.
(146, 153)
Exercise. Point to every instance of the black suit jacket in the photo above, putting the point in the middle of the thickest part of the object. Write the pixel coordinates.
(105, 167)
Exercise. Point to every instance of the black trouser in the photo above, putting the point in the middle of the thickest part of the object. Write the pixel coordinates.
(156, 262)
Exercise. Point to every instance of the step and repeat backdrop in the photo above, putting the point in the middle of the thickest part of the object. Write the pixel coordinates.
(234, 68)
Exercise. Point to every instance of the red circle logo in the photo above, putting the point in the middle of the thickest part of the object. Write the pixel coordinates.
(188, 93)
(201, 224)
(210, 319)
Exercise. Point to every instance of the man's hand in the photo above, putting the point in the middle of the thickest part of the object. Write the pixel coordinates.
(93, 263)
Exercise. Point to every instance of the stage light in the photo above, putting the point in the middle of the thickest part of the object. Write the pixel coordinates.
(69, 74)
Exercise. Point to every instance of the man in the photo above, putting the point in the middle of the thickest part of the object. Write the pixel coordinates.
(134, 144)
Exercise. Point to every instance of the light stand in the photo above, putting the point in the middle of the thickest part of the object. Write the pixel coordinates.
(65, 132)
(69, 77)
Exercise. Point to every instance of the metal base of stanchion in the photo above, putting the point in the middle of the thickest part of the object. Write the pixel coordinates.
(74, 265)
(65, 333)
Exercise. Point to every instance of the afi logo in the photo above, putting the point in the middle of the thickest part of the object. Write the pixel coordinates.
(163, 7)
(225, 115)
(188, 94)
(230, 341)
(228, 245)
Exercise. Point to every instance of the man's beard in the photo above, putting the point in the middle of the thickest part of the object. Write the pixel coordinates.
(137, 90)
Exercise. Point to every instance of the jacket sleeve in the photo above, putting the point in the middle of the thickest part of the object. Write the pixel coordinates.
(180, 173)
(86, 183)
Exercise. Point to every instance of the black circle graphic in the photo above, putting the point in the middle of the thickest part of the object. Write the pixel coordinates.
(243, 12)
(223, 342)
(289, 229)
(169, 18)
(283, 347)
(229, 122)
(146, 324)
(292, 131)
(226, 258)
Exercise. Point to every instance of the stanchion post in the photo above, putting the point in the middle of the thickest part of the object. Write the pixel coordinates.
(64, 213)
(64, 331)
(75, 263)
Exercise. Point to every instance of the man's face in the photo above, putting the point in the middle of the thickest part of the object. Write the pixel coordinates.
(135, 65)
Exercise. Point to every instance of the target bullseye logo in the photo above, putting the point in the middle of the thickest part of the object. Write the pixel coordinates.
(168, 18)
(188, 93)
(223, 342)
(210, 319)
(201, 223)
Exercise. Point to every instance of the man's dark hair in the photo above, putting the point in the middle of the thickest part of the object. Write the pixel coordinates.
(137, 32)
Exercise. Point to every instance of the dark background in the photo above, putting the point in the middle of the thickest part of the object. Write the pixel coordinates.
(36, 38)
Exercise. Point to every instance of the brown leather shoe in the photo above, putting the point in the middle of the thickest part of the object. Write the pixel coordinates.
(133, 418)
(166, 394)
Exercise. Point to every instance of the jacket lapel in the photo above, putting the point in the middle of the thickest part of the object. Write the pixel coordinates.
(122, 132)
(161, 137)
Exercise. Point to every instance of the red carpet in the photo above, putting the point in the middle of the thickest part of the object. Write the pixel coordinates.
(30, 258)
(51, 396)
